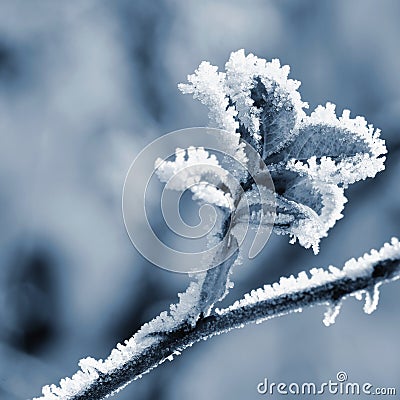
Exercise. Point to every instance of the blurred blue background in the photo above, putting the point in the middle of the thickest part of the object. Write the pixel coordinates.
(84, 85)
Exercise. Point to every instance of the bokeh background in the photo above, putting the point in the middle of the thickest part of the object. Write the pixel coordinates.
(84, 85)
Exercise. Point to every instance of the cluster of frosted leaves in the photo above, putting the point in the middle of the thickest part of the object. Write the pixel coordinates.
(199, 171)
(317, 277)
(312, 158)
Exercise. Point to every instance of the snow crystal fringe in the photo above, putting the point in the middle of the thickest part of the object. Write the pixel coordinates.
(163, 338)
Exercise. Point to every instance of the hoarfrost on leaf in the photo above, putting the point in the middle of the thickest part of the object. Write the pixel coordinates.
(312, 158)
(208, 86)
(199, 171)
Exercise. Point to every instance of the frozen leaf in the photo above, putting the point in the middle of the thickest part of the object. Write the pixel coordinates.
(208, 86)
(305, 208)
(199, 171)
(268, 104)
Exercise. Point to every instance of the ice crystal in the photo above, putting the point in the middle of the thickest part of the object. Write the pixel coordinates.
(371, 299)
(312, 158)
(331, 313)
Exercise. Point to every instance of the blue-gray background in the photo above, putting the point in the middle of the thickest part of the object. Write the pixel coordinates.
(84, 85)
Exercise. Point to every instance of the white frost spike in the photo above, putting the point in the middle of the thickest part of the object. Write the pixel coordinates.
(371, 299)
(331, 313)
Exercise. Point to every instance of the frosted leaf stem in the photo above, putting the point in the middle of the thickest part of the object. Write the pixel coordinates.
(148, 348)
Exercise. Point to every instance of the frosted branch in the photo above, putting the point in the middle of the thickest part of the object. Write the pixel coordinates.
(154, 344)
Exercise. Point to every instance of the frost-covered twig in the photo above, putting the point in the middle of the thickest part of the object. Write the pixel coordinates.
(154, 344)
(310, 159)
